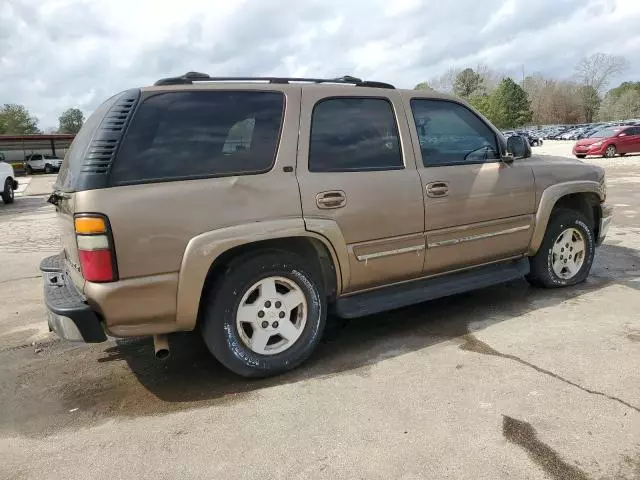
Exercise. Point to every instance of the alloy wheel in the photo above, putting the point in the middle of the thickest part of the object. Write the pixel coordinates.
(568, 253)
(271, 315)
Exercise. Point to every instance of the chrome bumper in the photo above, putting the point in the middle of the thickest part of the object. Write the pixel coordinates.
(606, 214)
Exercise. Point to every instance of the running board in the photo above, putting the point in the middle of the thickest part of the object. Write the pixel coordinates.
(397, 296)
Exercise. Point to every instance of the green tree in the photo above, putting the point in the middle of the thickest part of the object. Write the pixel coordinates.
(16, 120)
(484, 103)
(71, 121)
(509, 105)
(620, 103)
(467, 83)
(424, 86)
(628, 105)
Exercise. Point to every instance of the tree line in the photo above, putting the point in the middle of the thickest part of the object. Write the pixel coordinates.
(540, 100)
(16, 120)
(536, 100)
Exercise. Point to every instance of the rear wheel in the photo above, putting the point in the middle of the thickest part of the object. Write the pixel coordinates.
(610, 152)
(566, 254)
(266, 315)
(7, 193)
(581, 156)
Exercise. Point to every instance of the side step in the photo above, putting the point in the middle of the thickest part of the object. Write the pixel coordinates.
(388, 298)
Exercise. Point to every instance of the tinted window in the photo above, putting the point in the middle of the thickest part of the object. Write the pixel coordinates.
(606, 132)
(182, 135)
(633, 131)
(36, 157)
(354, 134)
(73, 159)
(450, 133)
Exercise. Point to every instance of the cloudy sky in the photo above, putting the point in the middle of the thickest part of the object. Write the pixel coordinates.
(60, 53)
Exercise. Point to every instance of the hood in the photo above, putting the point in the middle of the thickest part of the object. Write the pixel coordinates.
(589, 141)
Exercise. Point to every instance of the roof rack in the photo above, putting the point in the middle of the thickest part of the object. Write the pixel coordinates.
(191, 77)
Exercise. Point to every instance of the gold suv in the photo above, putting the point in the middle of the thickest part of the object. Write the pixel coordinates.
(249, 208)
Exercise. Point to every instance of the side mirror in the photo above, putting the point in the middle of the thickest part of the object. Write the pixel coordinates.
(518, 147)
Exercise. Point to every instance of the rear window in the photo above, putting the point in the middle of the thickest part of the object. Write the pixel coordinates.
(72, 163)
(197, 134)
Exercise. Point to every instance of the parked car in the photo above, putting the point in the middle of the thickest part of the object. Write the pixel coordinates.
(38, 162)
(347, 196)
(8, 182)
(534, 141)
(609, 142)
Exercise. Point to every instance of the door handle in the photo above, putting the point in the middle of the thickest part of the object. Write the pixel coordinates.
(332, 199)
(437, 189)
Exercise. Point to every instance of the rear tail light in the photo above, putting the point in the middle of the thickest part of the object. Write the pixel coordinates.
(95, 248)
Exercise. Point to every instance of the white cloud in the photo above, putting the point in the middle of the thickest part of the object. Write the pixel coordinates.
(60, 53)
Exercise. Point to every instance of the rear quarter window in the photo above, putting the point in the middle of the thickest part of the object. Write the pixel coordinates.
(198, 134)
(71, 165)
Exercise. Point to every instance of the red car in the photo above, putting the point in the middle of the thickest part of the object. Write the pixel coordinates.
(608, 142)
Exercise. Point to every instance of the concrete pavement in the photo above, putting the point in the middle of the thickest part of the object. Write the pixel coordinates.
(509, 382)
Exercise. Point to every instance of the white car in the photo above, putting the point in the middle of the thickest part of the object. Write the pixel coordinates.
(37, 162)
(8, 183)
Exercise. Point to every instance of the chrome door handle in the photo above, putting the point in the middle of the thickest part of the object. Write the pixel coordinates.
(332, 199)
(437, 189)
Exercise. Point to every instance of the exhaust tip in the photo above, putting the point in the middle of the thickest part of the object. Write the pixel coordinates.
(162, 354)
(161, 346)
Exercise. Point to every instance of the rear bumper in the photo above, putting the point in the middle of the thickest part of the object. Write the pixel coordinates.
(606, 214)
(70, 317)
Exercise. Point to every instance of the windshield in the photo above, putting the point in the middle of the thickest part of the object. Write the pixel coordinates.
(605, 133)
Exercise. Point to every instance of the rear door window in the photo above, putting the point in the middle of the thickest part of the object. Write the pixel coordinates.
(197, 134)
(354, 134)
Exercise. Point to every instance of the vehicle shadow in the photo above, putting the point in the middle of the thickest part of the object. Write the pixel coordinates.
(193, 375)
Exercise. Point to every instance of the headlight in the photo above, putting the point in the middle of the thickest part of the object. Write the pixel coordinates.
(597, 144)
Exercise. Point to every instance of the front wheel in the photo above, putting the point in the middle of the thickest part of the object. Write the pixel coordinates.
(266, 315)
(610, 152)
(7, 193)
(48, 168)
(566, 253)
(28, 169)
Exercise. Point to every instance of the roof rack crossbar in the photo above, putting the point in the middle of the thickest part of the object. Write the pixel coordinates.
(191, 77)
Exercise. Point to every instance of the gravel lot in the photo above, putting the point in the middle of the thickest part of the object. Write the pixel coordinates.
(509, 382)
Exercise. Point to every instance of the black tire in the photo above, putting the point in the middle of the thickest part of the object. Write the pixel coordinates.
(8, 193)
(581, 156)
(610, 151)
(48, 168)
(542, 273)
(28, 169)
(220, 303)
